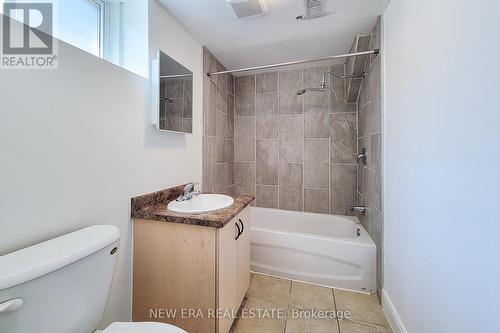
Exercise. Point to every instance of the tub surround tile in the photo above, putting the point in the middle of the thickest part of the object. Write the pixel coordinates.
(376, 229)
(244, 178)
(267, 196)
(337, 96)
(315, 102)
(244, 139)
(375, 97)
(267, 127)
(209, 160)
(267, 82)
(221, 137)
(153, 206)
(291, 186)
(209, 106)
(245, 95)
(342, 188)
(317, 124)
(266, 104)
(375, 179)
(230, 116)
(289, 84)
(209, 61)
(316, 165)
(291, 138)
(267, 162)
(344, 135)
(316, 201)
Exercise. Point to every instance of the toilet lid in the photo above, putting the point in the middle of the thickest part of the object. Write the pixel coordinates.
(142, 327)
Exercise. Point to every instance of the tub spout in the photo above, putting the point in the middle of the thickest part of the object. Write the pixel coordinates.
(358, 209)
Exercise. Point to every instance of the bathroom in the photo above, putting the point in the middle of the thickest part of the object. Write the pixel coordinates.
(336, 137)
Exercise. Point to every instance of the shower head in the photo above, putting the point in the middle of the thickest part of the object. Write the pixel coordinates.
(303, 91)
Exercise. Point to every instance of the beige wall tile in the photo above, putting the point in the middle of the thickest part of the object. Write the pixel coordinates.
(267, 162)
(375, 96)
(344, 133)
(316, 163)
(244, 91)
(267, 196)
(342, 188)
(244, 139)
(267, 82)
(375, 178)
(209, 102)
(267, 127)
(317, 201)
(209, 158)
(230, 116)
(244, 178)
(221, 134)
(289, 84)
(266, 104)
(317, 124)
(291, 136)
(291, 186)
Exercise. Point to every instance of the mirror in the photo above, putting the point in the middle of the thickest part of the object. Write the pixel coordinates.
(172, 95)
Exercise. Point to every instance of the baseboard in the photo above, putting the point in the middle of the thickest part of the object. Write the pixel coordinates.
(392, 314)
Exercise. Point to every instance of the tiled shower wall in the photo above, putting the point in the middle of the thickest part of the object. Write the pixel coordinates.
(218, 128)
(295, 152)
(370, 137)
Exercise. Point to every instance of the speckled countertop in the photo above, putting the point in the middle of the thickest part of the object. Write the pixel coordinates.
(153, 206)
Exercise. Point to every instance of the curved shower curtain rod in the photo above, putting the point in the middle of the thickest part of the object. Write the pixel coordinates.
(341, 56)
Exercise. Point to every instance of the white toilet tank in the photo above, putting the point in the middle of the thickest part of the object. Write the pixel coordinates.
(58, 286)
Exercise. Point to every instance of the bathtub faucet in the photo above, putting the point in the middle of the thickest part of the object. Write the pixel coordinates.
(358, 209)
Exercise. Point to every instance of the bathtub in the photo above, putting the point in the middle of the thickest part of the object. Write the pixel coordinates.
(327, 250)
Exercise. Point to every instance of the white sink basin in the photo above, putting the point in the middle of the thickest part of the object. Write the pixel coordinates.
(202, 203)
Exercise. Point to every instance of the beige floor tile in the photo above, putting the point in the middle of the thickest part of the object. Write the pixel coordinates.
(363, 308)
(347, 326)
(311, 325)
(306, 296)
(269, 289)
(251, 322)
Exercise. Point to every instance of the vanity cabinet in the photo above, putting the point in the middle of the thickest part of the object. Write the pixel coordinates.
(191, 276)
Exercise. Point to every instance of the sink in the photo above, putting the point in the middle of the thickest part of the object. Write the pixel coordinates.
(202, 203)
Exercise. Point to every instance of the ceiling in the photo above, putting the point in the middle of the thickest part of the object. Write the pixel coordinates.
(277, 36)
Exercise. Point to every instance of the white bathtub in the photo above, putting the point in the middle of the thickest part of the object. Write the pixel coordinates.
(328, 250)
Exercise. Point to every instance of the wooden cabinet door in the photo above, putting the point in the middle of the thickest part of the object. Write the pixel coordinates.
(243, 254)
(227, 273)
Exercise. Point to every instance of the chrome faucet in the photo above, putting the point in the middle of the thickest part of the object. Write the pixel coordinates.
(358, 209)
(189, 192)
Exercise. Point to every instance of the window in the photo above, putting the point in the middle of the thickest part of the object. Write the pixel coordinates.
(81, 23)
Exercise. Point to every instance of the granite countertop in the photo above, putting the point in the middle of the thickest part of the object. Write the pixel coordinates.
(153, 206)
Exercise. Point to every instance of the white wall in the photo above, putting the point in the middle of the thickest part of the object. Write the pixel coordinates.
(76, 144)
(442, 155)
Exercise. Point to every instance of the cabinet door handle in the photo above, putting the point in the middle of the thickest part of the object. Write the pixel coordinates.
(242, 226)
(239, 231)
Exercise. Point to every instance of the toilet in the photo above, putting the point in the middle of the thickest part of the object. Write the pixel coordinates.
(62, 285)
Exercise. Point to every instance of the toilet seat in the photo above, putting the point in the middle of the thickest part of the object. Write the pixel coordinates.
(142, 327)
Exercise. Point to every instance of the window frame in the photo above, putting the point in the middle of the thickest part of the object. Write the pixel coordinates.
(101, 4)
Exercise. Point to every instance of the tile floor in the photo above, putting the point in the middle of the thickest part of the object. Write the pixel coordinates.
(287, 298)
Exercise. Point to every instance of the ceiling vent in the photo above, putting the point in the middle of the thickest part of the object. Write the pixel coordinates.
(245, 9)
